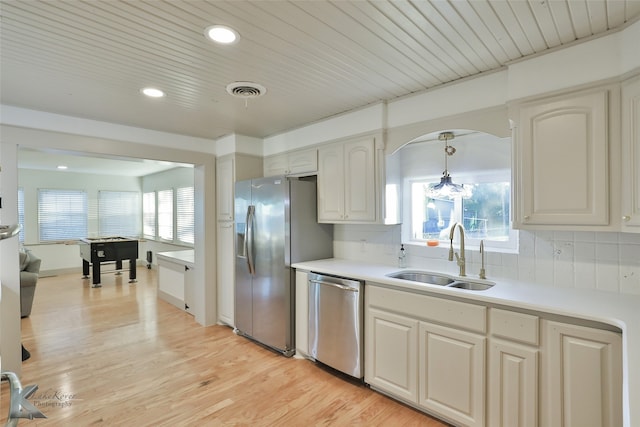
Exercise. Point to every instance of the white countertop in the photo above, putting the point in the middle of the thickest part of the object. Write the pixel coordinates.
(622, 311)
(183, 257)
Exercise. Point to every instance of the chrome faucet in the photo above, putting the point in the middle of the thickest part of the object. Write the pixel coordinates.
(483, 273)
(459, 258)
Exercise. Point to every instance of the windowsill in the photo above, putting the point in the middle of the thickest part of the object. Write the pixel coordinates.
(468, 245)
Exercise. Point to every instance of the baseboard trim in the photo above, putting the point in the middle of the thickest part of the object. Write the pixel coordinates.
(171, 299)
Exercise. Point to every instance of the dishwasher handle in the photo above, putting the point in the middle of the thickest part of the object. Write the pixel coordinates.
(335, 285)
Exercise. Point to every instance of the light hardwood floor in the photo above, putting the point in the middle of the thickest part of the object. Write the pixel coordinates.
(118, 356)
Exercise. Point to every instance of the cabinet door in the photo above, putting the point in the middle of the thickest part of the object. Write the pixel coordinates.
(513, 385)
(226, 273)
(276, 165)
(225, 181)
(583, 374)
(303, 161)
(563, 154)
(188, 289)
(171, 282)
(391, 353)
(451, 368)
(302, 313)
(331, 183)
(359, 181)
(631, 155)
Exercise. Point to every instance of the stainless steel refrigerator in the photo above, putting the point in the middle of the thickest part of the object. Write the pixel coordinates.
(275, 225)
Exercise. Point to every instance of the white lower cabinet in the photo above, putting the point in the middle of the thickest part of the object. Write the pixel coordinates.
(392, 353)
(512, 369)
(512, 385)
(437, 368)
(473, 365)
(175, 278)
(302, 313)
(226, 273)
(582, 376)
(451, 371)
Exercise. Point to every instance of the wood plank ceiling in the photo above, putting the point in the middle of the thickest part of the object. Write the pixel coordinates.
(316, 58)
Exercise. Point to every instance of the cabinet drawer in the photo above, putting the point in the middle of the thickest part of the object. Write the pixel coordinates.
(514, 326)
(471, 317)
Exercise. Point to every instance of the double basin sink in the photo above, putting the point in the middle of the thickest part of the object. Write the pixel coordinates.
(440, 280)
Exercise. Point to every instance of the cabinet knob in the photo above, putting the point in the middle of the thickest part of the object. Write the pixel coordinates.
(526, 217)
(626, 218)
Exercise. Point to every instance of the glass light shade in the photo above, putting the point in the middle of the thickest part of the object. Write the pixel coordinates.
(447, 189)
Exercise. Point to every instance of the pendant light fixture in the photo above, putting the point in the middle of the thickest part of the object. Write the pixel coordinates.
(446, 188)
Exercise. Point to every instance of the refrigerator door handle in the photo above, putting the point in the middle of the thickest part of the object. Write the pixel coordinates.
(248, 241)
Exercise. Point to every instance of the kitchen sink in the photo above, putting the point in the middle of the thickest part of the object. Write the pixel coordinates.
(417, 276)
(471, 286)
(440, 280)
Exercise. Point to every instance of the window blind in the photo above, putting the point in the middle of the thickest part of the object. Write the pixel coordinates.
(184, 214)
(21, 213)
(62, 214)
(119, 213)
(149, 214)
(165, 214)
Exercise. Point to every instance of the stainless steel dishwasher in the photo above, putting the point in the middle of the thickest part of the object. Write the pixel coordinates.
(335, 323)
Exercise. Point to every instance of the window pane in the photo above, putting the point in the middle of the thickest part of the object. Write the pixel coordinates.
(119, 213)
(62, 215)
(21, 213)
(149, 214)
(165, 214)
(485, 215)
(486, 212)
(184, 202)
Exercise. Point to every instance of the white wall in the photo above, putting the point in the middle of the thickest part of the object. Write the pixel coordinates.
(60, 256)
(174, 178)
(586, 260)
(10, 354)
(24, 128)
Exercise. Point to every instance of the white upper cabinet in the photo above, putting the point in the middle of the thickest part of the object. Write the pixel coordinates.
(301, 162)
(229, 169)
(631, 155)
(561, 160)
(225, 181)
(347, 182)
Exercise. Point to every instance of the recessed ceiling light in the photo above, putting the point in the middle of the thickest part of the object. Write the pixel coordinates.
(221, 34)
(62, 167)
(153, 92)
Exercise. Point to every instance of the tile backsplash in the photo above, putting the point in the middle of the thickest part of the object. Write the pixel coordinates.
(588, 260)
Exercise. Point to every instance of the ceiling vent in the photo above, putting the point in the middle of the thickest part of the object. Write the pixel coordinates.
(246, 90)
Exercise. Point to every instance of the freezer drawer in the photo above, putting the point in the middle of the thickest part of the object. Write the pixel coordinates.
(335, 323)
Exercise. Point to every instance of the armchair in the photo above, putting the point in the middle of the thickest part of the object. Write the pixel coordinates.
(29, 271)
